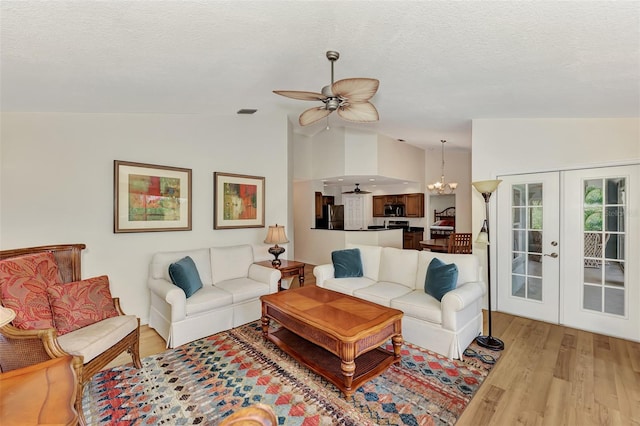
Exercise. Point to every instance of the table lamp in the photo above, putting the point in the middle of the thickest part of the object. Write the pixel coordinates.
(276, 236)
(486, 188)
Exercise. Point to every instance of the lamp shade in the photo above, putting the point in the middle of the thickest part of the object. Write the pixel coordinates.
(276, 235)
(6, 315)
(486, 186)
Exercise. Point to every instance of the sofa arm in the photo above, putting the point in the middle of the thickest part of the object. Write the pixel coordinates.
(323, 273)
(461, 305)
(171, 295)
(265, 275)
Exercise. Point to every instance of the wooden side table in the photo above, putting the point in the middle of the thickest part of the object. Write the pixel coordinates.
(288, 268)
(42, 393)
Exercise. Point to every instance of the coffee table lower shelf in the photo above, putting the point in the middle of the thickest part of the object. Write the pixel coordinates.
(368, 365)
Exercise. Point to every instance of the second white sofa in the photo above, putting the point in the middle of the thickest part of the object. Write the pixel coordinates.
(396, 278)
(229, 297)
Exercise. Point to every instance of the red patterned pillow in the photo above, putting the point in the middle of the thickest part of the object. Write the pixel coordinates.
(81, 303)
(23, 288)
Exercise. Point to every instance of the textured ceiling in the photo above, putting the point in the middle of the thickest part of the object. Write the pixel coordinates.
(440, 64)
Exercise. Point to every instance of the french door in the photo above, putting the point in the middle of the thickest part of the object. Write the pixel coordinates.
(527, 251)
(568, 248)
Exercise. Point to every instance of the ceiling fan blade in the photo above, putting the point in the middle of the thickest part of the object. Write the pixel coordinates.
(302, 96)
(312, 115)
(356, 89)
(362, 112)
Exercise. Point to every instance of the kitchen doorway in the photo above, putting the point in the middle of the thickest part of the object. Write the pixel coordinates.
(568, 248)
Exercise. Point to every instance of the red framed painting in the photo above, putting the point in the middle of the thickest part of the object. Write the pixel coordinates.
(149, 198)
(238, 201)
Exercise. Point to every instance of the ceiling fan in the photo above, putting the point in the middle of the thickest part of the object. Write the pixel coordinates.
(357, 190)
(350, 97)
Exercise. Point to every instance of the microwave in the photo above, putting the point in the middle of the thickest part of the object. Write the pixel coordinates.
(394, 210)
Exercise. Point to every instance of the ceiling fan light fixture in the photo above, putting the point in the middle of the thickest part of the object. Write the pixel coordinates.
(350, 97)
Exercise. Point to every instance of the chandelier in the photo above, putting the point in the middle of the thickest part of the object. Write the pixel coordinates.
(440, 187)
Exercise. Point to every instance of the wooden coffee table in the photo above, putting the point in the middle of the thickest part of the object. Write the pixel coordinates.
(335, 335)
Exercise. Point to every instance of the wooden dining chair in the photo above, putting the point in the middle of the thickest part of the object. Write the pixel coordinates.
(460, 243)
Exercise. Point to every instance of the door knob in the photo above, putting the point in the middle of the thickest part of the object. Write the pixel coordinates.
(553, 255)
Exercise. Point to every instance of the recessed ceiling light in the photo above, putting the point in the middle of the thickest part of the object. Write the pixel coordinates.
(340, 180)
(247, 111)
(372, 180)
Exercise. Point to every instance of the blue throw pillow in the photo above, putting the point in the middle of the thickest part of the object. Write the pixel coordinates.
(347, 263)
(441, 278)
(185, 275)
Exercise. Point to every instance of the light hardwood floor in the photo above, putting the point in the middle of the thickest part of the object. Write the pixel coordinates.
(547, 375)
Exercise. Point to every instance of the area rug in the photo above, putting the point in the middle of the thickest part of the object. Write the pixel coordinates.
(205, 381)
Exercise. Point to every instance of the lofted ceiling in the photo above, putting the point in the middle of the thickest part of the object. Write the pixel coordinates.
(440, 63)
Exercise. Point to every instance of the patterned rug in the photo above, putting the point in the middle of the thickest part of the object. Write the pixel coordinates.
(206, 380)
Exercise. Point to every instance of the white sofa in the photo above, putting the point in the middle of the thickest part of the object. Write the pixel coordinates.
(230, 296)
(395, 278)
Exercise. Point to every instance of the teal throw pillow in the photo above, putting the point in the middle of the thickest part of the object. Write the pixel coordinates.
(441, 278)
(347, 263)
(185, 275)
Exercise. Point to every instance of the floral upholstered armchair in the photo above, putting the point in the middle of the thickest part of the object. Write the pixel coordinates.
(59, 314)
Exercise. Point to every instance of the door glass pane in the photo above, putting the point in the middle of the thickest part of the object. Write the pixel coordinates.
(519, 219)
(517, 195)
(604, 227)
(527, 210)
(519, 241)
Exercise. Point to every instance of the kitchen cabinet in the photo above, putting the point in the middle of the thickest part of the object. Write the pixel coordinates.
(318, 205)
(411, 240)
(414, 203)
(378, 205)
(414, 206)
(322, 200)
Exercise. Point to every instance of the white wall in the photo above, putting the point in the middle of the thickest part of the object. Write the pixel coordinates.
(510, 146)
(57, 184)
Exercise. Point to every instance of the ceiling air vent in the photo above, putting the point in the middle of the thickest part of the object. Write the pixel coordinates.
(247, 111)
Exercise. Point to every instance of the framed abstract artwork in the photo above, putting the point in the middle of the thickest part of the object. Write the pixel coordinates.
(150, 198)
(238, 201)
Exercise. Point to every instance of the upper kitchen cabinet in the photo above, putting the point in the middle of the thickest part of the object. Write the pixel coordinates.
(378, 205)
(414, 205)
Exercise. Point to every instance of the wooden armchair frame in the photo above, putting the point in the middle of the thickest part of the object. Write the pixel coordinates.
(20, 348)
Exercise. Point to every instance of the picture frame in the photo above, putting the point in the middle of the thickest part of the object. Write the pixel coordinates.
(150, 198)
(238, 201)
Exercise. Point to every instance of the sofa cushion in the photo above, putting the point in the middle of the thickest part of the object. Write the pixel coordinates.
(347, 285)
(160, 262)
(370, 256)
(441, 278)
(468, 266)
(185, 275)
(420, 305)
(243, 289)
(81, 303)
(228, 263)
(207, 299)
(95, 339)
(347, 263)
(23, 288)
(398, 266)
(381, 292)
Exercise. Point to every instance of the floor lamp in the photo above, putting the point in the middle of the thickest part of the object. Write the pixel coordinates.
(486, 188)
